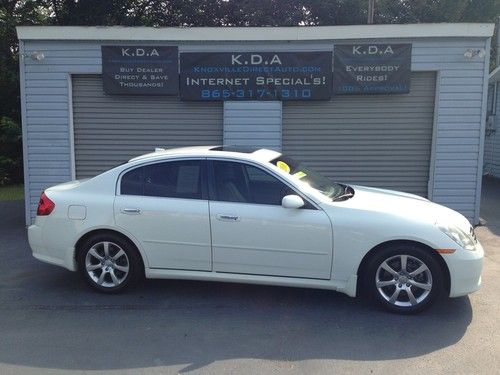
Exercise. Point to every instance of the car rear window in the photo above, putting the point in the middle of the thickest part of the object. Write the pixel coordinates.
(174, 179)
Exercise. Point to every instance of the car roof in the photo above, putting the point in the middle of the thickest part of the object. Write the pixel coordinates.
(240, 152)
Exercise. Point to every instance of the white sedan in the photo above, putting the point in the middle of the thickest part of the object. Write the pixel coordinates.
(255, 216)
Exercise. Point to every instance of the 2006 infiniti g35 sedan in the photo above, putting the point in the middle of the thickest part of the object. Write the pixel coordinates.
(255, 216)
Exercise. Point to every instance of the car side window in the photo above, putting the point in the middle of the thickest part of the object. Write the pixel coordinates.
(238, 182)
(173, 179)
(132, 182)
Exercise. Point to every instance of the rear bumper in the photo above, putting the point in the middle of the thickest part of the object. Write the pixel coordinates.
(465, 271)
(62, 257)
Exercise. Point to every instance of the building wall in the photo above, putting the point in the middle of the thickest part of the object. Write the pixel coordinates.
(456, 162)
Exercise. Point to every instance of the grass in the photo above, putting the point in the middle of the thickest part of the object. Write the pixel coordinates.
(11, 193)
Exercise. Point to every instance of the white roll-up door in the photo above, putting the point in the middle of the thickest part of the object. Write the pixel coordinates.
(111, 129)
(377, 140)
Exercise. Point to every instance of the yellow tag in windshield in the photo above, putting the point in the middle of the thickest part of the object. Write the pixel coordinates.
(284, 166)
(299, 174)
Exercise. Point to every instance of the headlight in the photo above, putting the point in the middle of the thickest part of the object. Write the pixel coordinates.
(461, 237)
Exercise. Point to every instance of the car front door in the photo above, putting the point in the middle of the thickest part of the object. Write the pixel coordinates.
(253, 234)
(164, 205)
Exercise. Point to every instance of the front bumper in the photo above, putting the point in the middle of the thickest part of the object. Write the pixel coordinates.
(465, 271)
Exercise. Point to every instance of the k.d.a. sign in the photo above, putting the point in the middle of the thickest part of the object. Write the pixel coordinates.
(372, 69)
(256, 75)
(140, 70)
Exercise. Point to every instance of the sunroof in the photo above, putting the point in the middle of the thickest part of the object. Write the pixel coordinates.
(232, 148)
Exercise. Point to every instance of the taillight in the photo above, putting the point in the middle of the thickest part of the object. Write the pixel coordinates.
(45, 206)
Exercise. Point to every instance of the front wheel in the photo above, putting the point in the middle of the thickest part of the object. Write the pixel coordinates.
(108, 263)
(404, 278)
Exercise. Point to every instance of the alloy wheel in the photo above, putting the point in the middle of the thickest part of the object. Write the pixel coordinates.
(107, 264)
(403, 280)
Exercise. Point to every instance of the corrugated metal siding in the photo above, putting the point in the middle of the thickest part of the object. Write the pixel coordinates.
(111, 129)
(376, 140)
(458, 124)
(253, 124)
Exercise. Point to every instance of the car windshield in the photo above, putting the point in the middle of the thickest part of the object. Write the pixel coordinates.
(314, 179)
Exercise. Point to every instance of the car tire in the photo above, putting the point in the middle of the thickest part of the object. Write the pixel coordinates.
(109, 263)
(405, 290)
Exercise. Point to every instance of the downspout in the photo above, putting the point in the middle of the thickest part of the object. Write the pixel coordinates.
(482, 133)
(496, 97)
(498, 40)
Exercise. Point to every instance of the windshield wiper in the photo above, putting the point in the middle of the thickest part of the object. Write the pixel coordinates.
(346, 195)
(341, 197)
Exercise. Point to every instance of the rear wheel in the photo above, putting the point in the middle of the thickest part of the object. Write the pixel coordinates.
(108, 263)
(404, 278)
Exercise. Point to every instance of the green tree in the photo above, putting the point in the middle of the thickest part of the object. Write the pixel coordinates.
(336, 12)
(94, 12)
(418, 11)
(12, 13)
(11, 169)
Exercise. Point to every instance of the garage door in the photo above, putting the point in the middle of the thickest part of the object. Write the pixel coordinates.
(111, 129)
(377, 140)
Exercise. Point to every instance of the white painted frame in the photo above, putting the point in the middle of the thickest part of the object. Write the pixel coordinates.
(256, 33)
(71, 127)
(432, 162)
(24, 129)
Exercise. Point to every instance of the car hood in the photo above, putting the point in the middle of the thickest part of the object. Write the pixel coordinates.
(404, 205)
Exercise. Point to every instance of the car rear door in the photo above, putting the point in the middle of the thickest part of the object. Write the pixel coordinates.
(253, 234)
(164, 206)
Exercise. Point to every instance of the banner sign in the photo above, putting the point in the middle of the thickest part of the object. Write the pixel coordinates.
(256, 76)
(372, 69)
(140, 70)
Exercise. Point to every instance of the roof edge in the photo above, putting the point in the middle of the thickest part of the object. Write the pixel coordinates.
(298, 33)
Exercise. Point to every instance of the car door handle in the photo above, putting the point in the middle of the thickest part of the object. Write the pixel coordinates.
(224, 217)
(131, 211)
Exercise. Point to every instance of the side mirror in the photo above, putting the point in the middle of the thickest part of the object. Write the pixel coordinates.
(292, 201)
